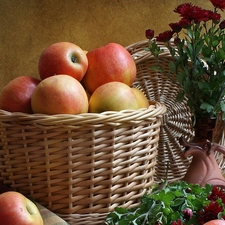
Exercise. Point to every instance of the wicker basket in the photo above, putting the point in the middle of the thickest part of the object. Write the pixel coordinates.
(81, 167)
(177, 120)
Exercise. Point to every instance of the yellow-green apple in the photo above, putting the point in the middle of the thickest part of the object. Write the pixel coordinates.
(59, 94)
(16, 95)
(141, 98)
(108, 63)
(16, 209)
(112, 96)
(63, 58)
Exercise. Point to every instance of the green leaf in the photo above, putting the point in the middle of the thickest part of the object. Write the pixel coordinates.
(157, 68)
(172, 67)
(124, 222)
(220, 55)
(206, 51)
(120, 210)
(222, 106)
(215, 43)
(180, 96)
(187, 84)
(207, 107)
(165, 197)
(178, 202)
(181, 77)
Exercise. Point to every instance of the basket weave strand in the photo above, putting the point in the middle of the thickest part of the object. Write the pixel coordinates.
(81, 167)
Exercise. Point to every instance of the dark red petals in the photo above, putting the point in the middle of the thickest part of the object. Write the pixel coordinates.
(175, 27)
(222, 25)
(149, 33)
(220, 4)
(165, 36)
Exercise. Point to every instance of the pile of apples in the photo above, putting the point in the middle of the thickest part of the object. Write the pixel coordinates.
(75, 81)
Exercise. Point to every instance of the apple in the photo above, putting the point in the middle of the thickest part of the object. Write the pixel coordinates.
(215, 222)
(141, 98)
(59, 94)
(16, 209)
(112, 96)
(108, 63)
(16, 95)
(63, 58)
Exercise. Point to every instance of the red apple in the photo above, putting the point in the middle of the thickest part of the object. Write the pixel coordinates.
(60, 94)
(109, 63)
(112, 96)
(16, 209)
(16, 95)
(63, 58)
(141, 98)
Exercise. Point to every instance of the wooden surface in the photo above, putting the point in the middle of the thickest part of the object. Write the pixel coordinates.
(27, 27)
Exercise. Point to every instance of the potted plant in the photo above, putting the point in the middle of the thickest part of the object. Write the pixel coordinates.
(197, 47)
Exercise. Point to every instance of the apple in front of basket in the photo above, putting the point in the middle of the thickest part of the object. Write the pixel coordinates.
(16, 209)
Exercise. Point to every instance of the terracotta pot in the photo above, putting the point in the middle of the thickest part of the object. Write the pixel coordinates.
(203, 168)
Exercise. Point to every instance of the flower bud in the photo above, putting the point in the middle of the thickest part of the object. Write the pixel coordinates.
(187, 213)
(222, 25)
(188, 190)
(149, 33)
(177, 40)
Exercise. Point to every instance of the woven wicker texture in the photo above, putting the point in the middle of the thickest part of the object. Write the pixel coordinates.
(81, 166)
(177, 120)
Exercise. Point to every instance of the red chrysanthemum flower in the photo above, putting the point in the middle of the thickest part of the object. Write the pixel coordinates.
(220, 4)
(209, 212)
(217, 192)
(175, 27)
(192, 13)
(183, 9)
(165, 36)
(213, 16)
(184, 23)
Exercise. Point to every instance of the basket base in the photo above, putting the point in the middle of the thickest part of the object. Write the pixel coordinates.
(84, 219)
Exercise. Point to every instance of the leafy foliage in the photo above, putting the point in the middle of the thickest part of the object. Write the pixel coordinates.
(165, 205)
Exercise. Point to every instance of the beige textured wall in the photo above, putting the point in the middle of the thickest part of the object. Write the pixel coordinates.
(28, 26)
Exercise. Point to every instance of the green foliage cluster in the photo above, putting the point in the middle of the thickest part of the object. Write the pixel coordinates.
(164, 205)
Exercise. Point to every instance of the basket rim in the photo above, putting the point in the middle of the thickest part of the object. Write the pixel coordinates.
(155, 109)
